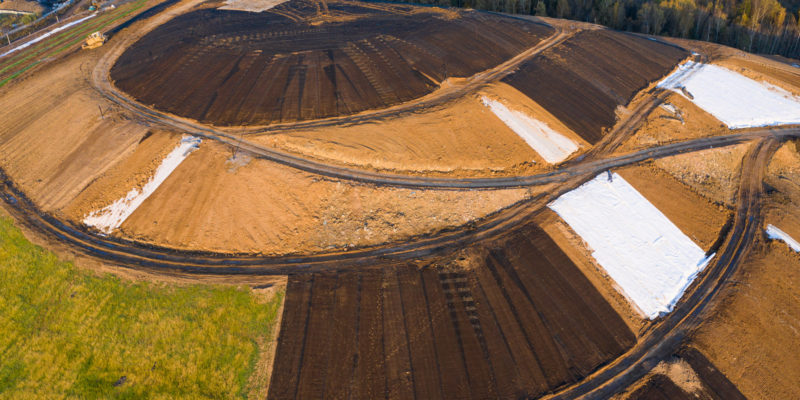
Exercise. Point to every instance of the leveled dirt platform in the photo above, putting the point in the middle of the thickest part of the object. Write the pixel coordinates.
(519, 319)
(583, 80)
(462, 138)
(291, 63)
(251, 205)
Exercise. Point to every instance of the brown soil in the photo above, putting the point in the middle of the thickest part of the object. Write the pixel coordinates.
(210, 203)
(694, 215)
(56, 142)
(463, 138)
(520, 321)
(22, 5)
(751, 334)
(584, 79)
(236, 68)
(131, 172)
(662, 126)
(258, 382)
(573, 246)
(713, 173)
(687, 375)
(784, 178)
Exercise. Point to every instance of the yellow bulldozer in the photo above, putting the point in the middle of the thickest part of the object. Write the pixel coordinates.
(94, 41)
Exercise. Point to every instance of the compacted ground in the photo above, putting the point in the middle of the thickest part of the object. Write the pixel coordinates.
(510, 319)
(292, 63)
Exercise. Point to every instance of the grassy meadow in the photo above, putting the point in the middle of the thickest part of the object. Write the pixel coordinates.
(67, 333)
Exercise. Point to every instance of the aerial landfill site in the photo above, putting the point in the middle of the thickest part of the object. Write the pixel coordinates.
(441, 203)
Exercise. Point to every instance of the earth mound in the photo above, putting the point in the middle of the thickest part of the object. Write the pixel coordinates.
(295, 62)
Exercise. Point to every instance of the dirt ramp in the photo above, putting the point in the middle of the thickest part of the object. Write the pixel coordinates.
(292, 63)
(522, 322)
(584, 79)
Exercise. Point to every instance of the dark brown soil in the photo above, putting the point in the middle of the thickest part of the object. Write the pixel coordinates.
(712, 385)
(716, 383)
(522, 322)
(660, 387)
(288, 64)
(584, 79)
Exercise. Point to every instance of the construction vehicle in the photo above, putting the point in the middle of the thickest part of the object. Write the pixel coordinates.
(94, 41)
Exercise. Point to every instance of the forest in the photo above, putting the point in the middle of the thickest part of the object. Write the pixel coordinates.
(757, 26)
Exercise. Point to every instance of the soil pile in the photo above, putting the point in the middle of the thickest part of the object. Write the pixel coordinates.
(584, 79)
(520, 320)
(295, 63)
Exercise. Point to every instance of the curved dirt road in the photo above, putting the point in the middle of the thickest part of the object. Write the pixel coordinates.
(135, 255)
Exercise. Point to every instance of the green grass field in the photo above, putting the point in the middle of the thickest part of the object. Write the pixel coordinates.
(69, 333)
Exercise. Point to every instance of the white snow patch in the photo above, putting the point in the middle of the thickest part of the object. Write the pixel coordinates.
(737, 101)
(40, 38)
(648, 257)
(112, 216)
(551, 145)
(774, 233)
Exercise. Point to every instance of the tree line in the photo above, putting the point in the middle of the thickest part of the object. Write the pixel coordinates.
(758, 26)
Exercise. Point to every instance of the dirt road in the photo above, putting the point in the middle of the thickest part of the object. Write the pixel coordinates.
(665, 337)
(135, 255)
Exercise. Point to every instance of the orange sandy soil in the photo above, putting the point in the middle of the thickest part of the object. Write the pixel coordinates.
(678, 371)
(72, 158)
(54, 141)
(659, 128)
(753, 335)
(693, 214)
(210, 203)
(462, 137)
(784, 177)
(713, 173)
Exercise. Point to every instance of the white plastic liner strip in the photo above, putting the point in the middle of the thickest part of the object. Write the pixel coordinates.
(551, 145)
(648, 257)
(737, 101)
(774, 233)
(112, 216)
(46, 35)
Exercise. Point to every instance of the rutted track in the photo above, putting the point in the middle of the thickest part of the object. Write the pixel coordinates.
(665, 337)
(661, 340)
(135, 255)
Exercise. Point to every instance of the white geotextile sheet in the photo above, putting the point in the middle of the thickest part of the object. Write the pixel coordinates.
(737, 101)
(112, 216)
(649, 258)
(552, 146)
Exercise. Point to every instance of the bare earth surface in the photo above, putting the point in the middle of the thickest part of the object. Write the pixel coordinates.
(522, 311)
(209, 203)
(749, 336)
